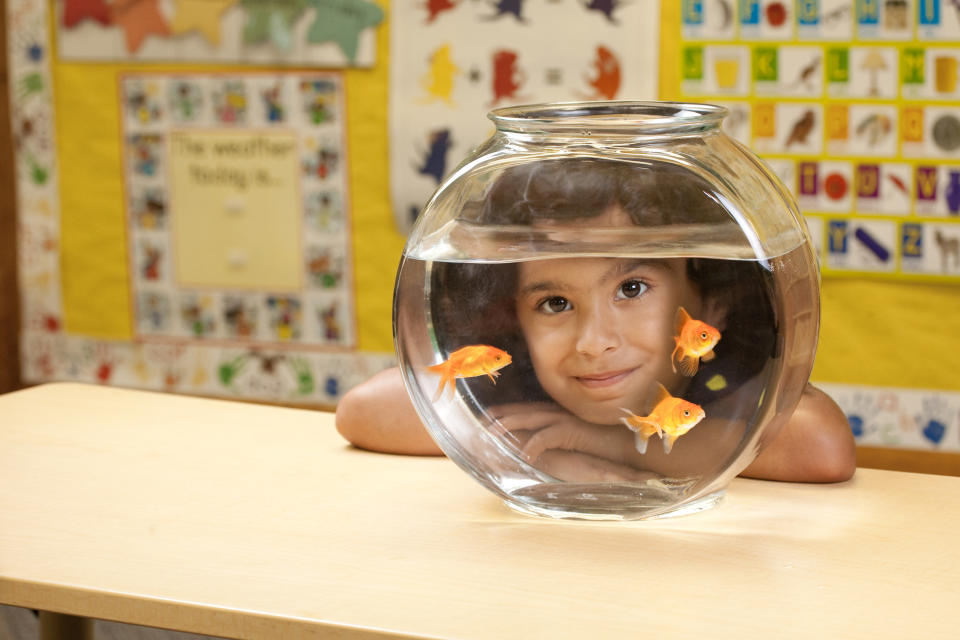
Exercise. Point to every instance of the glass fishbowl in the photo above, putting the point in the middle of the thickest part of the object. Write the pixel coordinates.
(607, 309)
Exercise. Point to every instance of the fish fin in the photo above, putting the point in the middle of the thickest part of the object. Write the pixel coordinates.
(662, 394)
(493, 376)
(640, 442)
(445, 374)
(673, 356)
(443, 383)
(680, 319)
(688, 366)
(708, 356)
(668, 443)
(438, 368)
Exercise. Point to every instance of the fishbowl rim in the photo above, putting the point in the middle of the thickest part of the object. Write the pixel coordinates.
(610, 117)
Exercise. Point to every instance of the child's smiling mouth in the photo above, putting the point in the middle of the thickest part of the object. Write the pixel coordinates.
(604, 379)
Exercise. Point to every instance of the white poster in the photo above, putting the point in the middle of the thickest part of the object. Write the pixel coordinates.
(452, 62)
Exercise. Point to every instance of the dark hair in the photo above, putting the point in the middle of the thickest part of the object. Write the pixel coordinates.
(561, 189)
(478, 305)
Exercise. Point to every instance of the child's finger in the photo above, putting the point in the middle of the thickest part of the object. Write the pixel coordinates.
(562, 436)
(530, 420)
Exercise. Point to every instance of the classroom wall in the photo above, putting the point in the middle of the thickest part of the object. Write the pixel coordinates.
(882, 339)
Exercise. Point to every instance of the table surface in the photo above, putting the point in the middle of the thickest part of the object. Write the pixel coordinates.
(251, 521)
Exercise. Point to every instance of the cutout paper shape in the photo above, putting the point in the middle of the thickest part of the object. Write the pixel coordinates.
(139, 19)
(341, 21)
(75, 11)
(271, 21)
(436, 7)
(200, 15)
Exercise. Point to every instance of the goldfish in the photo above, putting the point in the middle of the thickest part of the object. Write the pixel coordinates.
(468, 362)
(671, 418)
(695, 341)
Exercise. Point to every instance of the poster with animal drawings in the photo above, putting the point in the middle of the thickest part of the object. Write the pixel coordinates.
(452, 61)
(855, 104)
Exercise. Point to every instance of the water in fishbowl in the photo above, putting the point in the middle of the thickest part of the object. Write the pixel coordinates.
(617, 385)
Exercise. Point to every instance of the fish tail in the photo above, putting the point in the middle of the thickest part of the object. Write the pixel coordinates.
(640, 424)
(446, 375)
(673, 356)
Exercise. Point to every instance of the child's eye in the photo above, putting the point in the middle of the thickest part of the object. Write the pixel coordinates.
(631, 289)
(556, 304)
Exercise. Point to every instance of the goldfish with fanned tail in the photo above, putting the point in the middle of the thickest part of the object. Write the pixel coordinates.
(695, 341)
(671, 418)
(468, 362)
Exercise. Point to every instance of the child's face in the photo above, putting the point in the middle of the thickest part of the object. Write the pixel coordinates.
(600, 330)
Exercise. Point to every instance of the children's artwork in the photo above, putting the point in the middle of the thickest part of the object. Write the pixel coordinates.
(855, 105)
(295, 32)
(900, 418)
(452, 62)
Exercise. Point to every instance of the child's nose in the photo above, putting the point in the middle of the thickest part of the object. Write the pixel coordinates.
(598, 332)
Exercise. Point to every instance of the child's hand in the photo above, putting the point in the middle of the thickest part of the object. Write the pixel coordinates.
(541, 428)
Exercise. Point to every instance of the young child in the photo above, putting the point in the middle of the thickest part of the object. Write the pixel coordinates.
(592, 336)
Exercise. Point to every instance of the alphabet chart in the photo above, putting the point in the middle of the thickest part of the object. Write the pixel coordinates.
(855, 105)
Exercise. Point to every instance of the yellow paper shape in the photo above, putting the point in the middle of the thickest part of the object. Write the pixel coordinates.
(199, 15)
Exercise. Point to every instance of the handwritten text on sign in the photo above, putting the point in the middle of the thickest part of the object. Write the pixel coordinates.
(236, 210)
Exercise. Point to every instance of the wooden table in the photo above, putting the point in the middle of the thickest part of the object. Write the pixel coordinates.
(249, 521)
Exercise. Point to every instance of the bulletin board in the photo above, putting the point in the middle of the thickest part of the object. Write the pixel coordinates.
(190, 227)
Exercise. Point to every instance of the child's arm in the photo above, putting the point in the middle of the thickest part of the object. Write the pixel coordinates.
(379, 416)
(816, 444)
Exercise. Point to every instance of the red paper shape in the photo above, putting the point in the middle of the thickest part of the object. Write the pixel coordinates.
(74, 11)
(139, 19)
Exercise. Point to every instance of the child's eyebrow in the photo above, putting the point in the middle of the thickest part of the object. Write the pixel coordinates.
(542, 285)
(627, 265)
(622, 267)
